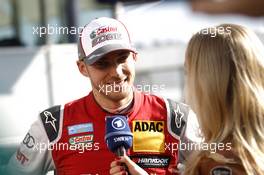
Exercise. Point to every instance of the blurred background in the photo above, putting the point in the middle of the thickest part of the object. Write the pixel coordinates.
(38, 65)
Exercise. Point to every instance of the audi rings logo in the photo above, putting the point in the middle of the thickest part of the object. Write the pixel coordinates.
(29, 141)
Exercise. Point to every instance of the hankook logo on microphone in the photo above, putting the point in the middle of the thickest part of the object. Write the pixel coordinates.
(118, 123)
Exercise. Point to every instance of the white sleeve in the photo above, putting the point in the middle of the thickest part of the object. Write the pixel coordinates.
(191, 137)
(183, 125)
(192, 131)
(182, 122)
(33, 156)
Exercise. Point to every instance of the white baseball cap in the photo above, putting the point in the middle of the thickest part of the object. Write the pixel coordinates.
(101, 36)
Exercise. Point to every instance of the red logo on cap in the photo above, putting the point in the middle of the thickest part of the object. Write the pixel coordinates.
(102, 30)
(105, 30)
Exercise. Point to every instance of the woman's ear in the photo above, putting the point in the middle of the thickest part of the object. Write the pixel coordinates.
(82, 68)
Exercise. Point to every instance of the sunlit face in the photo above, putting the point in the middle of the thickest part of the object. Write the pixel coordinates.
(113, 75)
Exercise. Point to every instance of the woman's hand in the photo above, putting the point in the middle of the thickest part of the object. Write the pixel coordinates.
(124, 165)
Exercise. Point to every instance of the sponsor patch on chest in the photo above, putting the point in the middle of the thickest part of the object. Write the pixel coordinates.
(149, 161)
(81, 139)
(148, 136)
(80, 128)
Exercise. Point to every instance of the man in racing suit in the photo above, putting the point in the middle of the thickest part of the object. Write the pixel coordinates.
(70, 138)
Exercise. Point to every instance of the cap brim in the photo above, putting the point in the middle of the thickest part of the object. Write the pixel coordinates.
(100, 52)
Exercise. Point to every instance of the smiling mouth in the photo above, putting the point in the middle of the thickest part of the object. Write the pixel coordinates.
(121, 82)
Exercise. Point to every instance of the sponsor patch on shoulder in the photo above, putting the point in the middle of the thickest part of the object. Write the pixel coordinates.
(151, 161)
(80, 128)
(221, 170)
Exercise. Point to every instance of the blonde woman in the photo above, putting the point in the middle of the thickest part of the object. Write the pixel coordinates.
(225, 87)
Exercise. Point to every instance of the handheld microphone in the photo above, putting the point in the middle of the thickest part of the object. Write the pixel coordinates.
(118, 136)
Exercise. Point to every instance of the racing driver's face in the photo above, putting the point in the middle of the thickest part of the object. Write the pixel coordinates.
(113, 75)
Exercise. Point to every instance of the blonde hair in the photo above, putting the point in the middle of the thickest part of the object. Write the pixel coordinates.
(225, 87)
